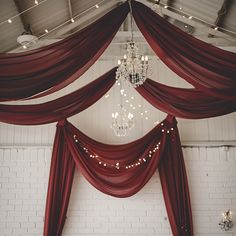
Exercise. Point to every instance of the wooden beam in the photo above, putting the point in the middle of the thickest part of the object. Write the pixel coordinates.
(221, 14)
(22, 17)
(70, 9)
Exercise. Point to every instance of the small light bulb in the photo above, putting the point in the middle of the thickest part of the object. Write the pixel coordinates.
(146, 58)
(125, 56)
(9, 21)
(24, 46)
(46, 30)
(216, 28)
(180, 8)
(97, 6)
(190, 17)
(185, 26)
(142, 58)
(72, 20)
(165, 6)
(132, 97)
(119, 62)
(36, 2)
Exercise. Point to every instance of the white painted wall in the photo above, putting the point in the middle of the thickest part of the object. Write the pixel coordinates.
(25, 154)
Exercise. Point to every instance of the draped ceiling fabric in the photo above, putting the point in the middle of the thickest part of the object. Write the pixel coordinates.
(208, 68)
(179, 102)
(120, 171)
(60, 108)
(48, 69)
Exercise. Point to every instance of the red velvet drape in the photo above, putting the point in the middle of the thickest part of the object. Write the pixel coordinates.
(208, 68)
(122, 170)
(179, 102)
(175, 187)
(184, 103)
(59, 186)
(48, 69)
(60, 108)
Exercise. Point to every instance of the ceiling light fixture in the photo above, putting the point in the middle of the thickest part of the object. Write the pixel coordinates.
(133, 67)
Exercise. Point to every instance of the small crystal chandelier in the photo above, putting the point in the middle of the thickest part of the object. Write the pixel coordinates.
(122, 122)
(226, 223)
(133, 67)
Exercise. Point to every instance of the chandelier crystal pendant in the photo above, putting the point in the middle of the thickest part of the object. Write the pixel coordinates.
(133, 67)
(122, 122)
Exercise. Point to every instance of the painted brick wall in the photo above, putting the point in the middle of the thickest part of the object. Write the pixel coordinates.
(23, 185)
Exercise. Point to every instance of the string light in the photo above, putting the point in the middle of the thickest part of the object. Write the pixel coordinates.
(55, 28)
(184, 14)
(28, 9)
(46, 30)
(119, 165)
(72, 20)
(97, 6)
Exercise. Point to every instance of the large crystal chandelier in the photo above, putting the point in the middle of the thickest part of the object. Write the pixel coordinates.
(133, 67)
(122, 122)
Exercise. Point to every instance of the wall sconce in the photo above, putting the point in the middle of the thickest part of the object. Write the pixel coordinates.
(226, 222)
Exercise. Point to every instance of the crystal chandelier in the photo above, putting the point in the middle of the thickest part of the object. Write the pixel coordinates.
(133, 67)
(122, 122)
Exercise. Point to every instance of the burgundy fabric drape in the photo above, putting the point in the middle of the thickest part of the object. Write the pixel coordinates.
(59, 186)
(122, 170)
(184, 103)
(60, 108)
(51, 68)
(179, 102)
(175, 187)
(208, 68)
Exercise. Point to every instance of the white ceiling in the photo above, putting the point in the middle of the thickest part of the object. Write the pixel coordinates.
(55, 16)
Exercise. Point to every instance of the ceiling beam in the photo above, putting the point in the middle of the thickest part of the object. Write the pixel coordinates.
(193, 22)
(81, 20)
(70, 9)
(22, 17)
(222, 13)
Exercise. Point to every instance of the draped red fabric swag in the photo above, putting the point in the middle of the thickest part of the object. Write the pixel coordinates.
(179, 102)
(60, 108)
(48, 69)
(208, 68)
(120, 171)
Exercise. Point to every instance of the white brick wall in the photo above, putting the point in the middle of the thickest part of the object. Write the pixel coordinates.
(23, 185)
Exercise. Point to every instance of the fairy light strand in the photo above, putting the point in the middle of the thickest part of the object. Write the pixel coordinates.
(119, 165)
(189, 16)
(68, 21)
(36, 4)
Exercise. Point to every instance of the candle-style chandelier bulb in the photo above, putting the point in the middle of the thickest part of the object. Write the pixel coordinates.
(133, 67)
